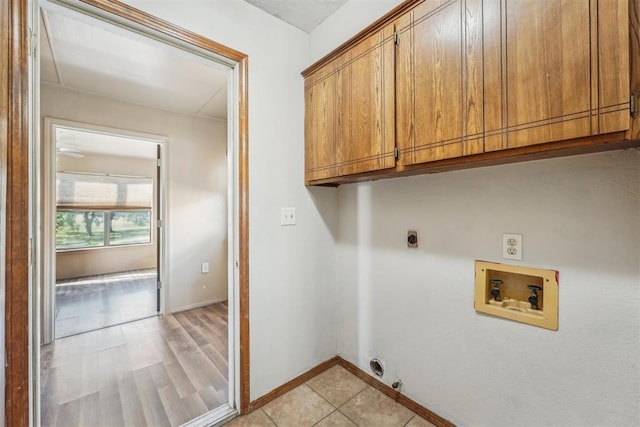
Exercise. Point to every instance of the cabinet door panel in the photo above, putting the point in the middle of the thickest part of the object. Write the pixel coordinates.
(494, 83)
(367, 92)
(440, 81)
(613, 53)
(320, 149)
(438, 84)
(473, 78)
(548, 71)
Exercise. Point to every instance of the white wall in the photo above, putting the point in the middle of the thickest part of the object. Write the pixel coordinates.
(414, 308)
(292, 314)
(82, 263)
(196, 154)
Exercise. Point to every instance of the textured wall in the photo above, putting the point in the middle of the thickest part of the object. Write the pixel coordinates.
(414, 308)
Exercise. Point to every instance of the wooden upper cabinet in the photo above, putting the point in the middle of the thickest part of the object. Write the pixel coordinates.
(450, 84)
(349, 116)
(439, 81)
(554, 70)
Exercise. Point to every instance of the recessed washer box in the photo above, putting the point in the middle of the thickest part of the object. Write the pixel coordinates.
(524, 294)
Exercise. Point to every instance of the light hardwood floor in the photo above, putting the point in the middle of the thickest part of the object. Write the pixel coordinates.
(160, 371)
(95, 302)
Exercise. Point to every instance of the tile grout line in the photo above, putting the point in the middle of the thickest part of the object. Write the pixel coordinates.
(323, 398)
(349, 400)
(410, 419)
(267, 415)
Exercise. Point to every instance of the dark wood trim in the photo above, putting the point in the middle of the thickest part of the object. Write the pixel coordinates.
(288, 386)
(591, 144)
(15, 103)
(425, 413)
(15, 136)
(243, 209)
(366, 32)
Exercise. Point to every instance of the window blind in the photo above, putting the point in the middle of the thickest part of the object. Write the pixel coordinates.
(90, 191)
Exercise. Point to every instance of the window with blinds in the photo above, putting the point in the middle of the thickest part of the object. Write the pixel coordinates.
(95, 211)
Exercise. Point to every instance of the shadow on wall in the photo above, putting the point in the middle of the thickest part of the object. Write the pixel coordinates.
(325, 201)
(561, 206)
(413, 308)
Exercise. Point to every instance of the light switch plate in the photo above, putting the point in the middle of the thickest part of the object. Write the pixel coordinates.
(204, 268)
(287, 216)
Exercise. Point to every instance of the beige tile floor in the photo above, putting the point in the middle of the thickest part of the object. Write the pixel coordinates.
(335, 398)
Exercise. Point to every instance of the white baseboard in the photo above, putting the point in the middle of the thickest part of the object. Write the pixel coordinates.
(196, 305)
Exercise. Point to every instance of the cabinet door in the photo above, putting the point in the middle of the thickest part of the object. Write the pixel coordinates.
(439, 81)
(613, 66)
(320, 116)
(559, 71)
(366, 106)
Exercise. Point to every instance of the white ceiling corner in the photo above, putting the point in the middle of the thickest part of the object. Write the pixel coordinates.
(92, 57)
(95, 59)
(303, 14)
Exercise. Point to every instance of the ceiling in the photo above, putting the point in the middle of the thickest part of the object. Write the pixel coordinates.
(303, 14)
(100, 60)
(86, 55)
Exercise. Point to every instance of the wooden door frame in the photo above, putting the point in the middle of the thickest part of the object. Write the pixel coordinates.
(14, 147)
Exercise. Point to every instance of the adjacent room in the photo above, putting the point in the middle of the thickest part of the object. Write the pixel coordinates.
(135, 289)
(106, 247)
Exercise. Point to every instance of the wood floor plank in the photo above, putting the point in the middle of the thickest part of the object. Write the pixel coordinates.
(218, 359)
(181, 410)
(68, 414)
(90, 411)
(132, 410)
(152, 406)
(214, 398)
(143, 353)
(179, 379)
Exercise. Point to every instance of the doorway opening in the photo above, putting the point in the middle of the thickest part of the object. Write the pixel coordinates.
(235, 264)
(102, 234)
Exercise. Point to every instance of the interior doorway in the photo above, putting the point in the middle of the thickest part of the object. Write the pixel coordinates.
(23, 158)
(158, 352)
(103, 241)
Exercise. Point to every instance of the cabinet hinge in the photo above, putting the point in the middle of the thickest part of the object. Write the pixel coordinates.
(396, 153)
(159, 284)
(633, 105)
(159, 223)
(396, 38)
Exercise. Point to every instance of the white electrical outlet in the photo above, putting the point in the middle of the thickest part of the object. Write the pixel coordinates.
(512, 246)
(204, 268)
(287, 216)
